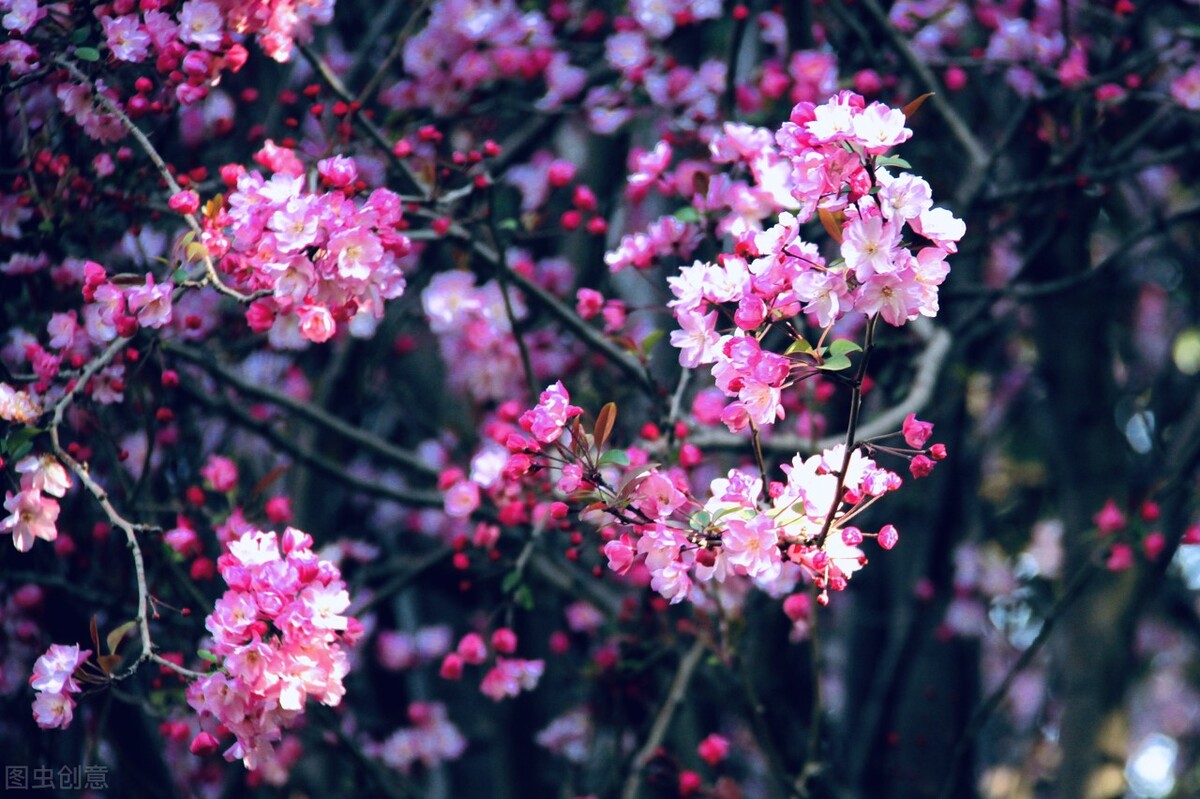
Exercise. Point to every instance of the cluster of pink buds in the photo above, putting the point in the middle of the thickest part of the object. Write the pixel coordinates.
(278, 636)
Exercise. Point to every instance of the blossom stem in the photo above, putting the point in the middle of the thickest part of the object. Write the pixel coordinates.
(851, 428)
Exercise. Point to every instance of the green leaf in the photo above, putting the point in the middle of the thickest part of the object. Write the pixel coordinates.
(19, 442)
(510, 582)
(688, 214)
(893, 160)
(524, 597)
(80, 35)
(652, 338)
(207, 655)
(843, 346)
(836, 363)
(614, 457)
(801, 346)
(508, 224)
(87, 54)
(700, 519)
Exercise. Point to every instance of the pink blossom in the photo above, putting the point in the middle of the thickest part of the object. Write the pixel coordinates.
(510, 676)
(53, 710)
(916, 432)
(32, 516)
(126, 38)
(753, 547)
(44, 473)
(220, 472)
(151, 303)
(201, 24)
(22, 16)
(548, 418)
(52, 671)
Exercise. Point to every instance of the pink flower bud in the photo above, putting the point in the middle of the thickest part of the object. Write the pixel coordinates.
(713, 749)
(888, 536)
(203, 745)
(504, 641)
(472, 649)
(920, 466)
(452, 667)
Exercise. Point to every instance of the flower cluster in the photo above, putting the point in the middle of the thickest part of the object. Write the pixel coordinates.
(475, 333)
(468, 44)
(322, 257)
(431, 739)
(798, 530)
(507, 677)
(33, 514)
(54, 683)
(278, 635)
(829, 159)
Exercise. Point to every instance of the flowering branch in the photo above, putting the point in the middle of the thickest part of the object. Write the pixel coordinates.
(211, 276)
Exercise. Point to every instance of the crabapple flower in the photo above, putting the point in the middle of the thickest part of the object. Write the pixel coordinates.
(44, 473)
(510, 676)
(31, 516)
(53, 711)
(548, 418)
(52, 671)
(54, 707)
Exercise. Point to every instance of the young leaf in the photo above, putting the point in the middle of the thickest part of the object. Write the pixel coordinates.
(843, 346)
(912, 107)
(114, 637)
(87, 54)
(652, 338)
(510, 582)
(893, 160)
(835, 363)
(524, 597)
(832, 222)
(108, 663)
(195, 251)
(604, 424)
(614, 456)
(209, 656)
(801, 346)
(687, 214)
(95, 637)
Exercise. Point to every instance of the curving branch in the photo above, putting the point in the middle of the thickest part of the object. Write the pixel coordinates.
(211, 277)
(307, 411)
(662, 722)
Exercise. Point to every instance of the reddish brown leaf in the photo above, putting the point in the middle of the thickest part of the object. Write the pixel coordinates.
(912, 107)
(604, 424)
(832, 222)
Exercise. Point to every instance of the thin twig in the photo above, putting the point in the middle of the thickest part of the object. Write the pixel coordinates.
(427, 499)
(312, 413)
(210, 269)
(975, 151)
(993, 700)
(662, 722)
